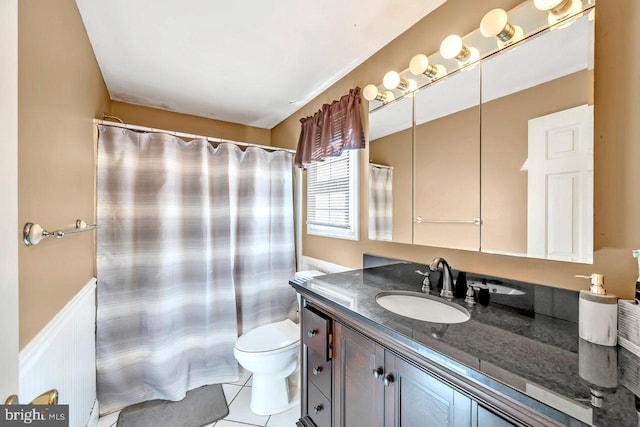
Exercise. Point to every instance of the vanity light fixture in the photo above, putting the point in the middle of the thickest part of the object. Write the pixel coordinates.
(392, 80)
(495, 23)
(420, 65)
(371, 92)
(453, 47)
(413, 85)
(559, 9)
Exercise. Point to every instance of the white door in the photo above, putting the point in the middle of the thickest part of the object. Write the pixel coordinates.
(560, 193)
(9, 229)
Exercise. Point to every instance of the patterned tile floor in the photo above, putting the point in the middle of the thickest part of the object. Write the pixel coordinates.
(238, 395)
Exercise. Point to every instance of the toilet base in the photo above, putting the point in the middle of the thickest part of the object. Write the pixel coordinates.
(272, 395)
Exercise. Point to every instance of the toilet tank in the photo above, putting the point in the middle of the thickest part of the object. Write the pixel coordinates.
(305, 274)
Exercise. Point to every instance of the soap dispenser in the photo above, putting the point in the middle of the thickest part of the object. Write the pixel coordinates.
(598, 313)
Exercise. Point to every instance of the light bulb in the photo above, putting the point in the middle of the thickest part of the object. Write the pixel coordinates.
(391, 80)
(420, 65)
(559, 10)
(495, 24)
(370, 92)
(452, 47)
(551, 5)
(413, 85)
(389, 96)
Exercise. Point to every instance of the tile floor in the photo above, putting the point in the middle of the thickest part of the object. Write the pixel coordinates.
(238, 395)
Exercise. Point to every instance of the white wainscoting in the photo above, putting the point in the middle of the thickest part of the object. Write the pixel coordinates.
(63, 356)
(310, 263)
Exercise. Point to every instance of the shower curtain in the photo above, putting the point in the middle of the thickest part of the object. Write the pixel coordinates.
(380, 202)
(195, 246)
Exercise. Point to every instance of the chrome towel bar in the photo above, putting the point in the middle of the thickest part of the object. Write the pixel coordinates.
(475, 221)
(33, 233)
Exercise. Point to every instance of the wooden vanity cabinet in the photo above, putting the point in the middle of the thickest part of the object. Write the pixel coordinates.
(375, 387)
(350, 380)
(317, 372)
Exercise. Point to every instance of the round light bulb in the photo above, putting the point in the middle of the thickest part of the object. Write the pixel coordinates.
(413, 85)
(548, 4)
(370, 92)
(389, 96)
(573, 7)
(391, 80)
(418, 64)
(451, 46)
(493, 22)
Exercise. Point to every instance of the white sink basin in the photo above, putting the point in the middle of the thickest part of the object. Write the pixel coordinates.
(422, 307)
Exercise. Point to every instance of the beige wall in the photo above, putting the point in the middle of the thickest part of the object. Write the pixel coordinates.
(161, 119)
(505, 148)
(60, 91)
(447, 186)
(617, 199)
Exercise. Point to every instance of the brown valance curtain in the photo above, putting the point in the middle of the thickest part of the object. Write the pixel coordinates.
(336, 127)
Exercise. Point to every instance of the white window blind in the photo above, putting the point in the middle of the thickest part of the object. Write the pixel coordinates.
(332, 196)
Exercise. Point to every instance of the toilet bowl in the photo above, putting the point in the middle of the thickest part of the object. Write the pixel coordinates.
(270, 353)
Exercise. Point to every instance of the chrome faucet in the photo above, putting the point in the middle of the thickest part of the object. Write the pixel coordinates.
(447, 280)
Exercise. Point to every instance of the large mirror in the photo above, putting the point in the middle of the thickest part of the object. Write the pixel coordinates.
(390, 179)
(537, 146)
(509, 171)
(447, 162)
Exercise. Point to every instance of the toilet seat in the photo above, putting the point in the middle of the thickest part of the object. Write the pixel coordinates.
(269, 338)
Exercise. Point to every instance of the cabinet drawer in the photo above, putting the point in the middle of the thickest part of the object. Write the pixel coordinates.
(318, 407)
(315, 333)
(319, 372)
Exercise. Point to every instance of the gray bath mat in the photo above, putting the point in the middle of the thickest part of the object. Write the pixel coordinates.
(200, 407)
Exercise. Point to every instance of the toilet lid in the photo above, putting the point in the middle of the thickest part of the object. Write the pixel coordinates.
(269, 337)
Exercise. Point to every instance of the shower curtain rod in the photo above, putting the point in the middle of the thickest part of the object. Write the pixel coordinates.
(188, 135)
(376, 165)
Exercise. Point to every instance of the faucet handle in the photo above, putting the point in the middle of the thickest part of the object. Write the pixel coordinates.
(426, 282)
(470, 297)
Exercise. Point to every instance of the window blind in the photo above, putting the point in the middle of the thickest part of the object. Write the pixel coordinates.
(330, 192)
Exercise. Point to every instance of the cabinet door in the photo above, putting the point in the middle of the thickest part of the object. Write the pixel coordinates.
(415, 398)
(358, 378)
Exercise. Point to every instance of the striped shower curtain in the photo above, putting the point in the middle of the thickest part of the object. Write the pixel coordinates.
(195, 246)
(380, 202)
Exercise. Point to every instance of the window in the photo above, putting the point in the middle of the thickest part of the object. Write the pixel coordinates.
(332, 196)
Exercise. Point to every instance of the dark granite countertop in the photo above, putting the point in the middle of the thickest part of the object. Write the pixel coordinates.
(521, 340)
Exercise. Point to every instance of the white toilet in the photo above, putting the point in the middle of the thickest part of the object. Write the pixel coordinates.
(270, 352)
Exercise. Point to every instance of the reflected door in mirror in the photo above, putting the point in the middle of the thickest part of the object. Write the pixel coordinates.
(544, 76)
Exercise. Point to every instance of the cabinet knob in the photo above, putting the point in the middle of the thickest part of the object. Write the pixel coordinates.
(312, 332)
(388, 380)
(377, 373)
(318, 408)
(317, 370)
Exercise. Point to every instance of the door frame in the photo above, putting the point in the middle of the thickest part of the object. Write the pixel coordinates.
(9, 229)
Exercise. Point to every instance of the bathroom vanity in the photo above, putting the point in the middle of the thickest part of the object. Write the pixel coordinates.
(516, 361)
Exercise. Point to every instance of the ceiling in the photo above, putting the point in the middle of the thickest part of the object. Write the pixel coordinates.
(249, 62)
